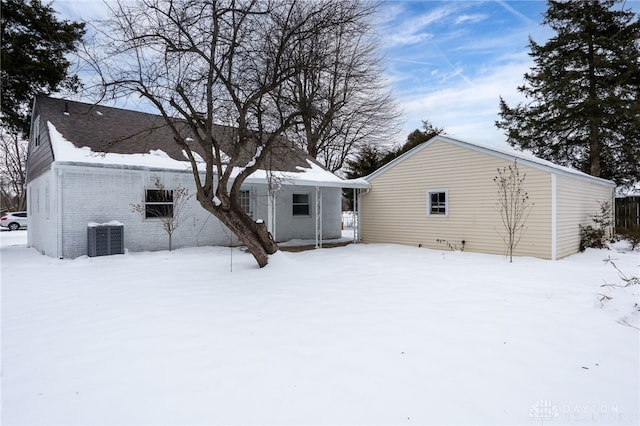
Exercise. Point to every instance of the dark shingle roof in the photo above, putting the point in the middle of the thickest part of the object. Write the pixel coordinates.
(120, 131)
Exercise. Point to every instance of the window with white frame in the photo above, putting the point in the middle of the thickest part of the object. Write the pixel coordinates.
(158, 203)
(301, 205)
(245, 202)
(437, 202)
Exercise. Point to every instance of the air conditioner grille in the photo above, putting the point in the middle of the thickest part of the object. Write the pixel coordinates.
(105, 240)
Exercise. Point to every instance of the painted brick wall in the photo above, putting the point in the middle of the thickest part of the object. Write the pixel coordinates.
(93, 194)
(96, 194)
(42, 217)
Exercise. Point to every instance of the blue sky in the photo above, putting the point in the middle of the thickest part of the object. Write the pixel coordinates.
(448, 62)
(445, 61)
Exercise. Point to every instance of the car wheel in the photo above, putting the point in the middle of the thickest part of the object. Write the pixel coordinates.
(14, 226)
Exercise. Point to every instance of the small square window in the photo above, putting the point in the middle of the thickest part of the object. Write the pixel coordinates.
(301, 205)
(158, 203)
(437, 202)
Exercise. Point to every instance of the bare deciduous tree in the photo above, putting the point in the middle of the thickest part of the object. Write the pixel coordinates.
(213, 62)
(340, 93)
(13, 152)
(513, 204)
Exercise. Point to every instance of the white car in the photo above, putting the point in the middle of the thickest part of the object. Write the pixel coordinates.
(14, 220)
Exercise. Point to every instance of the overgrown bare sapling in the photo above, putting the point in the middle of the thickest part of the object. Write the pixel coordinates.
(204, 63)
(167, 206)
(513, 204)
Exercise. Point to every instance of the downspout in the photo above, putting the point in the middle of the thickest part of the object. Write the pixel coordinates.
(357, 228)
(554, 218)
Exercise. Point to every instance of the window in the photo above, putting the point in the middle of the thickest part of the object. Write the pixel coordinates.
(245, 202)
(301, 205)
(158, 203)
(437, 202)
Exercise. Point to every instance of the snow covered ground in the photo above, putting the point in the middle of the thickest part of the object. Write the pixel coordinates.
(362, 334)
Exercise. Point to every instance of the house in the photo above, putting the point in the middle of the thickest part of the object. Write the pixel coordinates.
(91, 164)
(442, 195)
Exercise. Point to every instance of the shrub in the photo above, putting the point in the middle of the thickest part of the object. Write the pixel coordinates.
(632, 235)
(597, 235)
(591, 237)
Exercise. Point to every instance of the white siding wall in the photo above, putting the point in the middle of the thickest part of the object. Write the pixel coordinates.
(394, 211)
(578, 200)
(42, 217)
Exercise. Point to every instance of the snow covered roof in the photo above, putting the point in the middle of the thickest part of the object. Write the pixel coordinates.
(508, 154)
(105, 136)
(628, 191)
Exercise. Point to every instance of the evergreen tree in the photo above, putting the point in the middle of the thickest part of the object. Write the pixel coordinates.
(370, 157)
(34, 45)
(583, 106)
(367, 160)
(415, 138)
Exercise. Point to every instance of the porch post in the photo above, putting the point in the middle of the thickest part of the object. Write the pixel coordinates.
(318, 217)
(356, 222)
(271, 213)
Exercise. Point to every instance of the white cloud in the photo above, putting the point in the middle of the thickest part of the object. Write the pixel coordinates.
(470, 18)
(406, 38)
(475, 53)
(515, 13)
(82, 10)
(467, 110)
(411, 29)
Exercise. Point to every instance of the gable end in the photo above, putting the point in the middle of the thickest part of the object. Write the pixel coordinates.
(40, 152)
(533, 162)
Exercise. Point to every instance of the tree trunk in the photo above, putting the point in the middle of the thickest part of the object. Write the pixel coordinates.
(594, 136)
(594, 148)
(253, 235)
